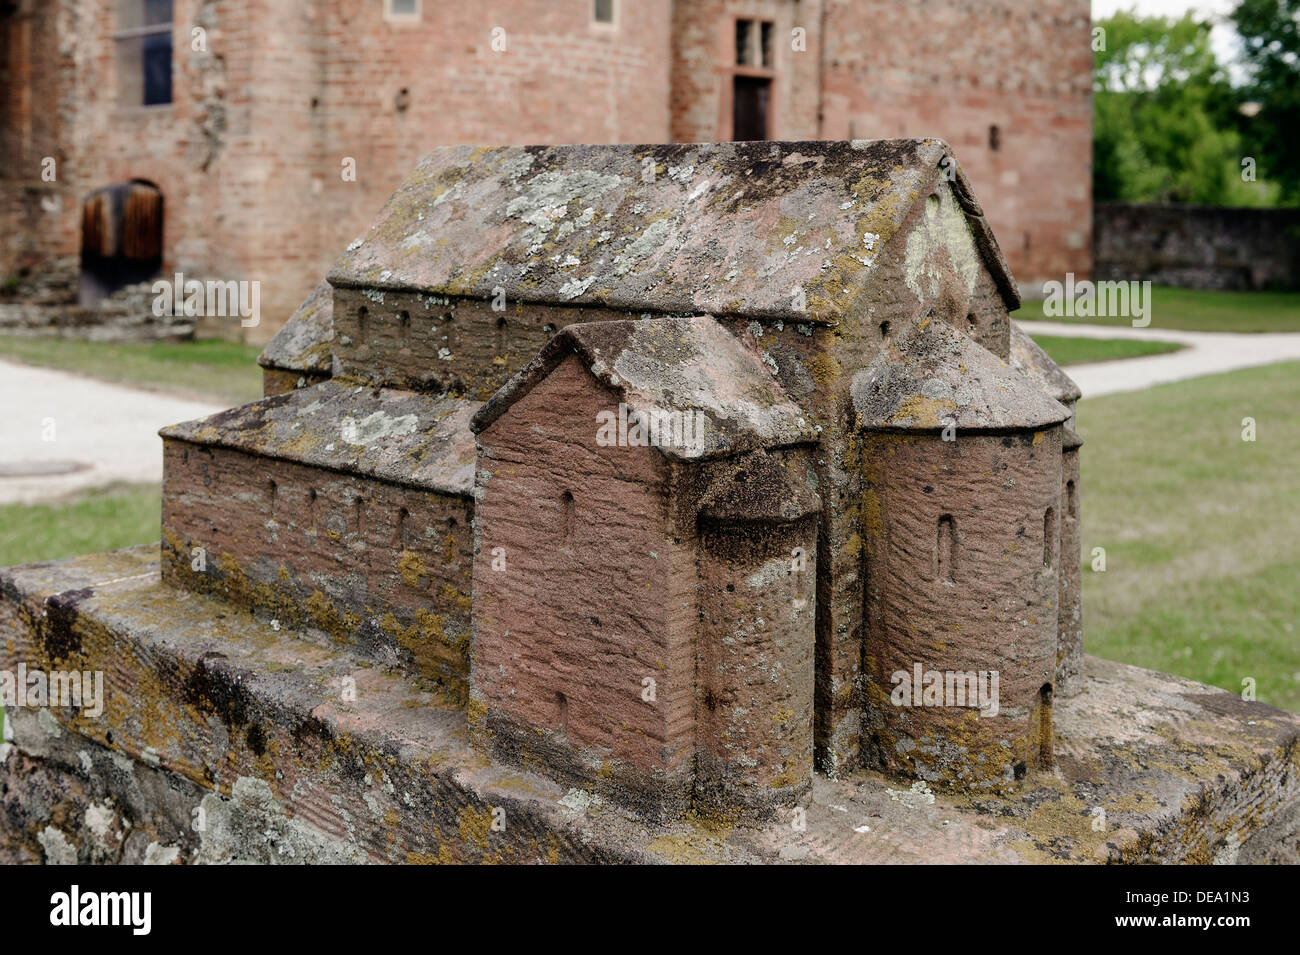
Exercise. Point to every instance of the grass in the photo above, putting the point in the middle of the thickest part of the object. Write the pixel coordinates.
(1198, 311)
(103, 519)
(220, 370)
(1201, 529)
(1077, 351)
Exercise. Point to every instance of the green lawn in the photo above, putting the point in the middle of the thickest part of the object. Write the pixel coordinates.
(1076, 351)
(1198, 311)
(1201, 529)
(99, 520)
(225, 371)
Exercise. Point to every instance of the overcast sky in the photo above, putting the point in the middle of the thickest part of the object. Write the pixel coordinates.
(1223, 38)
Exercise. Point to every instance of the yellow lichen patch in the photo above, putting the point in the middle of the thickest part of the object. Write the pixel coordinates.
(852, 546)
(679, 850)
(927, 412)
(474, 825)
(411, 566)
(825, 369)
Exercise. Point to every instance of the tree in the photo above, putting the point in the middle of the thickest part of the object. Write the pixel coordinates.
(1270, 33)
(1160, 98)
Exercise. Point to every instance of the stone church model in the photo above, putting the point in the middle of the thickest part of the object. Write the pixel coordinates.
(608, 504)
(828, 458)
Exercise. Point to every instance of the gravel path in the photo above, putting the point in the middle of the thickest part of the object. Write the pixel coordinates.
(107, 432)
(1206, 353)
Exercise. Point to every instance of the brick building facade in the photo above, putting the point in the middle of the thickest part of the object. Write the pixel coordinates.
(274, 131)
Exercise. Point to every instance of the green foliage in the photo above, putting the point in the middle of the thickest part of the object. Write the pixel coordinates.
(1160, 98)
(1270, 32)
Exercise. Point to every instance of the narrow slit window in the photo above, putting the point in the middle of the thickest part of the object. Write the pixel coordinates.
(1045, 754)
(947, 549)
(566, 515)
(562, 712)
(1049, 537)
(401, 9)
(1071, 500)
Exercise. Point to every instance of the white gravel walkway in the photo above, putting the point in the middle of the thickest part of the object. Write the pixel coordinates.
(1206, 353)
(56, 417)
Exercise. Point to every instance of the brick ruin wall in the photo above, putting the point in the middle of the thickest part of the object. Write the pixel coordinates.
(1007, 83)
(254, 143)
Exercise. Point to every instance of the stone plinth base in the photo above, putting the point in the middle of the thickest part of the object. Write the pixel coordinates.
(223, 738)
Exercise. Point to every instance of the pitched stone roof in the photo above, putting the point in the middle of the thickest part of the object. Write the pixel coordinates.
(1037, 364)
(673, 365)
(931, 375)
(726, 229)
(304, 342)
(401, 437)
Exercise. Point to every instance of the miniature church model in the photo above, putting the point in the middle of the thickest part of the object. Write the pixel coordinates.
(670, 466)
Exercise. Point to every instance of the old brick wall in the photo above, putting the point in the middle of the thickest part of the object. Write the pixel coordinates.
(38, 219)
(1198, 246)
(968, 66)
(250, 154)
(952, 69)
(563, 680)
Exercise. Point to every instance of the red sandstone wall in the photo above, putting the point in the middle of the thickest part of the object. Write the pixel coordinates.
(1024, 66)
(566, 678)
(1000, 580)
(754, 728)
(35, 112)
(249, 154)
(944, 68)
(382, 568)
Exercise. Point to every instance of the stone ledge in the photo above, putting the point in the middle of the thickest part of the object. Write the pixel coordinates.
(224, 712)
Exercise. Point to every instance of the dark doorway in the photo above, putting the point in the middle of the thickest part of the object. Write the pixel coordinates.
(750, 98)
(121, 238)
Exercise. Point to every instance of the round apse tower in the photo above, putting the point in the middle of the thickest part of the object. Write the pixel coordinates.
(1038, 365)
(961, 458)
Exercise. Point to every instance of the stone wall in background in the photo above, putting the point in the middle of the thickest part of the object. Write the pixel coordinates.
(125, 316)
(1202, 247)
